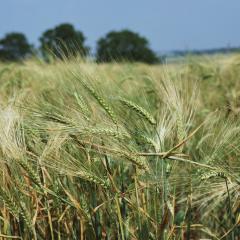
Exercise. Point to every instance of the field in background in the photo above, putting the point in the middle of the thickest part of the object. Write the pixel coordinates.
(120, 151)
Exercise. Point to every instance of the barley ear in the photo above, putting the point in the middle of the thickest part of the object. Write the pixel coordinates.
(139, 110)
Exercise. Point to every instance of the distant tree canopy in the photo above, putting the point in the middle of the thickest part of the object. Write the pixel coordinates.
(14, 47)
(63, 40)
(125, 45)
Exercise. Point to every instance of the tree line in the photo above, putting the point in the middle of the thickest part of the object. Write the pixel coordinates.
(66, 41)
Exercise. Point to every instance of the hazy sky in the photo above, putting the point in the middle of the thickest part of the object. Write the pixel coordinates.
(168, 24)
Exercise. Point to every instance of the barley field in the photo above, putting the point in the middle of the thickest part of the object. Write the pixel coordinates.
(120, 151)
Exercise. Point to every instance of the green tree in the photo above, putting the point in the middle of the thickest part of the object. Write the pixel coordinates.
(125, 45)
(63, 40)
(14, 47)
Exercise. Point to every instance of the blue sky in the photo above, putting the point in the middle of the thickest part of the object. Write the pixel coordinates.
(168, 24)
